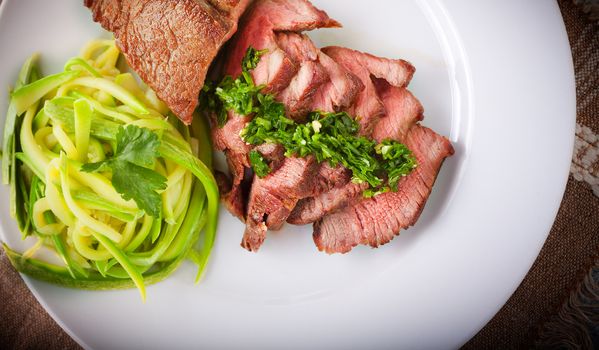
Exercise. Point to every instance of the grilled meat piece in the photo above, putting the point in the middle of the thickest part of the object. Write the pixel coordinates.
(390, 110)
(276, 70)
(170, 44)
(376, 221)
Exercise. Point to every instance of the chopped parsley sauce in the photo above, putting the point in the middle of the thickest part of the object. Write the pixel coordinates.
(331, 137)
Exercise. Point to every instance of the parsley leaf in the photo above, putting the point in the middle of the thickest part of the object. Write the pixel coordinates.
(140, 184)
(398, 161)
(137, 145)
(136, 151)
(251, 58)
(234, 94)
(237, 95)
(259, 164)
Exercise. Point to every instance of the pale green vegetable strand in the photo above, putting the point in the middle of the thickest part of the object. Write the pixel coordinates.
(93, 116)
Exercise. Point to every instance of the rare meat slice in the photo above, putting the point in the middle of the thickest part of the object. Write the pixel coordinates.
(402, 111)
(337, 94)
(312, 209)
(375, 221)
(396, 72)
(273, 153)
(232, 190)
(170, 44)
(272, 198)
(329, 177)
(275, 70)
(298, 96)
(340, 91)
(226, 139)
(320, 76)
(368, 107)
(258, 27)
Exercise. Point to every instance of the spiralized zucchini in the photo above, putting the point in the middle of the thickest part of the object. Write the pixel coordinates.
(60, 122)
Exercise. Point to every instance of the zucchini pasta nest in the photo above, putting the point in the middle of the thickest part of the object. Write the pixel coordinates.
(105, 176)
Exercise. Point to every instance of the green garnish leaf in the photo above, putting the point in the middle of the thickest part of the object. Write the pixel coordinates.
(137, 145)
(251, 58)
(234, 94)
(137, 149)
(259, 164)
(398, 161)
(140, 184)
(237, 95)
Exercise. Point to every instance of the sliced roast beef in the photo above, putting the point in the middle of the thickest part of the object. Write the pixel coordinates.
(329, 177)
(275, 70)
(381, 99)
(342, 87)
(397, 72)
(312, 209)
(298, 97)
(258, 27)
(375, 221)
(337, 94)
(272, 198)
(299, 94)
(232, 190)
(340, 91)
(368, 106)
(273, 153)
(401, 110)
(170, 44)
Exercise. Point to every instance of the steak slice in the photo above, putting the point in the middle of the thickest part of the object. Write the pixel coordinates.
(312, 209)
(258, 25)
(232, 191)
(329, 177)
(273, 197)
(313, 78)
(227, 139)
(275, 70)
(376, 221)
(170, 44)
(402, 111)
(299, 95)
(273, 153)
(368, 106)
(340, 91)
(396, 72)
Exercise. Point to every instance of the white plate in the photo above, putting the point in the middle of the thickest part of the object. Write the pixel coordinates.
(496, 77)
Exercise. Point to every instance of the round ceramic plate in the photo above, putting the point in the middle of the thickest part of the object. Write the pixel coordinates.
(495, 77)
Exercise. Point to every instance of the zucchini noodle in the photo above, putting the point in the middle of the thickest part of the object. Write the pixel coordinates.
(104, 239)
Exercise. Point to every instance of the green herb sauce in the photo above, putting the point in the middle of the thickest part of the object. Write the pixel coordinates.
(331, 137)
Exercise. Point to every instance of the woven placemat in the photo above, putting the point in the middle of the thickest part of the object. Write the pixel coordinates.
(554, 307)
